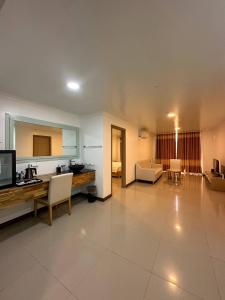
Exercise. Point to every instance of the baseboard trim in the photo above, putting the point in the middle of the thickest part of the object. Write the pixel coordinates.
(128, 184)
(98, 198)
(105, 198)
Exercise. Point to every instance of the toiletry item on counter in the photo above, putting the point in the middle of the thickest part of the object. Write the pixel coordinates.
(75, 167)
(63, 168)
(58, 170)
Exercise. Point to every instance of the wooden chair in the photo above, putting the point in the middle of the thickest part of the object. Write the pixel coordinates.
(60, 187)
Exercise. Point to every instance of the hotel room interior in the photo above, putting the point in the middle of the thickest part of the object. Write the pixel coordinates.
(112, 150)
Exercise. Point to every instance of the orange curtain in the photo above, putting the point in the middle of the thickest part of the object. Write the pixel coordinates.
(189, 151)
(165, 149)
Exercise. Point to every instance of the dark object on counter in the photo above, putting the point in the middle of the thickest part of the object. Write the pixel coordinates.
(92, 193)
(28, 182)
(7, 168)
(76, 168)
(58, 170)
(30, 172)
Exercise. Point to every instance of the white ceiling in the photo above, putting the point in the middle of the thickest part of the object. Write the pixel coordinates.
(137, 59)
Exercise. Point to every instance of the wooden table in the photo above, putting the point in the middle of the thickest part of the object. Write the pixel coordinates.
(13, 196)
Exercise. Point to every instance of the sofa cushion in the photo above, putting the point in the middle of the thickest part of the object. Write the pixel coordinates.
(158, 171)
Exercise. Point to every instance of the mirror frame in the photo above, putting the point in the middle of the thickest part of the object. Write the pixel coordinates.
(10, 137)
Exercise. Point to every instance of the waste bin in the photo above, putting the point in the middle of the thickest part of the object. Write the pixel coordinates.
(92, 193)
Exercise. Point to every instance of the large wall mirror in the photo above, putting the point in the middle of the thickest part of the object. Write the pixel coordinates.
(41, 140)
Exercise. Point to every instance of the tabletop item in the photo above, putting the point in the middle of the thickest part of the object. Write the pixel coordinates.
(30, 172)
(75, 167)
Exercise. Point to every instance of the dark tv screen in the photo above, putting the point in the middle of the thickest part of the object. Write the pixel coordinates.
(216, 166)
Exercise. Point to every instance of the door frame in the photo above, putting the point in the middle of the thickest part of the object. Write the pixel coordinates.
(122, 154)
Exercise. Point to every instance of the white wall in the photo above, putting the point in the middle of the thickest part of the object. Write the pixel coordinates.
(32, 110)
(136, 149)
(28, 109)
(92, 135)
(96, 131)
(213, 146)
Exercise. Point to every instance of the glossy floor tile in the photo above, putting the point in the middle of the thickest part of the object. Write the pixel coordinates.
(36, 284)
(219, 267)
(147, 242)
(160, 289)
(114, 278)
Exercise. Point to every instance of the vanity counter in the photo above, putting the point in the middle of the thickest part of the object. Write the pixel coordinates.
(13, 196)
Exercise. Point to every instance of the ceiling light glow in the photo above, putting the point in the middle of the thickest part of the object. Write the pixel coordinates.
(73, 85)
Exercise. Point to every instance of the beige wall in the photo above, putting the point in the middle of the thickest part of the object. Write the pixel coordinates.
(213, 146)
(24, 138)
(116, 135)
(136, 149)
(146, 148)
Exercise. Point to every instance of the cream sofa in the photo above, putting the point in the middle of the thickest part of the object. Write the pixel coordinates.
(145, 170)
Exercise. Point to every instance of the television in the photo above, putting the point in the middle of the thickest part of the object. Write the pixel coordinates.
(223, 170)
(216, 166)
(7, 168)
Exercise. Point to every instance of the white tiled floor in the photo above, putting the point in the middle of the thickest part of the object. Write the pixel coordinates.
(148, 242)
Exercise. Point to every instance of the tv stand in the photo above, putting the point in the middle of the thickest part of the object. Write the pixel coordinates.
(215, 182)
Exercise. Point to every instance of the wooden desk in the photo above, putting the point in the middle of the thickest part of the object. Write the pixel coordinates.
(13, 196)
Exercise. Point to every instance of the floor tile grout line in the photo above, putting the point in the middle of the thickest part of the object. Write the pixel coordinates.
(217, 258)
(147, 286)
(155, 274)
(20, 276)
(178, 286)
(129, 261)
(211, 263)
(56, 278)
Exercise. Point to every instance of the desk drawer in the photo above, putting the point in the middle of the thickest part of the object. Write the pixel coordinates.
(85, 178)
(15, 196)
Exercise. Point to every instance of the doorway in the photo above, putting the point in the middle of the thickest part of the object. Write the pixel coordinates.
(118, 157)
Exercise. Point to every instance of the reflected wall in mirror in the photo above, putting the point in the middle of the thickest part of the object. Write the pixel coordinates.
(34, 139)
(38, 140)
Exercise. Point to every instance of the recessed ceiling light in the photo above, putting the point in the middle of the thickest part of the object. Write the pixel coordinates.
(171, 115)
(73, 85)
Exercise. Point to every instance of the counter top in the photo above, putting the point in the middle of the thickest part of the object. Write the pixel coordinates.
(47, 177)
(19, 194)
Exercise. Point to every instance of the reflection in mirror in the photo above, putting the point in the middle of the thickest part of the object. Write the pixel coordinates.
(39, 140)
